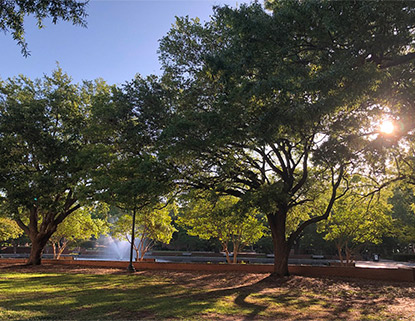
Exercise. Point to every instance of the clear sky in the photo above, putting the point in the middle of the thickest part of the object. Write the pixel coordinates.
(121, 40)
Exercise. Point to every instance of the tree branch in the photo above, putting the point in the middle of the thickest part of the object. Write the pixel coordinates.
(335, 186)
(399, 60)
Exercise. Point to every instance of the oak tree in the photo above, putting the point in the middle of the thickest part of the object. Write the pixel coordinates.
(46, 152)
(268, 102)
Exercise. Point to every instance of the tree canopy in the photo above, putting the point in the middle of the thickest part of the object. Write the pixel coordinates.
(224, 219)
(79, 226)
(13, 13)
(9, 229)
(136, 174)
(151, 225)
(47, 153)
(357, 221)
(270, 103)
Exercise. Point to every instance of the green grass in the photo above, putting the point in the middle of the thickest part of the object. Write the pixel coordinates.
(62, 295)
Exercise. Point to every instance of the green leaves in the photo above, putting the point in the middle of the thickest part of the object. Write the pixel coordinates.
(152, 224)
(357, 220)
(12, 14)
(9, 229)
(222, 218)
(80, 226)
(42, 139)
(133, 173)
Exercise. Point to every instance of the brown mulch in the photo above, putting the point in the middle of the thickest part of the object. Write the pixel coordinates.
(397, 297)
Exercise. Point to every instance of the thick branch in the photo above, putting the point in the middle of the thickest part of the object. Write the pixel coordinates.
(22, 225)
(303, 179)
(399, 60)
(65, 214)
(335, 186)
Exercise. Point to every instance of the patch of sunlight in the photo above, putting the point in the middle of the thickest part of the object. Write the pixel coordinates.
(226, 305)
(20, 314)
(48, 302)
(30, 290)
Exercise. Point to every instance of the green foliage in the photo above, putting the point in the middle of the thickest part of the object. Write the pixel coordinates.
(79, 226)
(151, 225)
(356, 220)
(43, 140)
(47, 150)
(403, 201)
(9, 229)
(222, 219)
(129, 125)
(13, 13)
(277, 107)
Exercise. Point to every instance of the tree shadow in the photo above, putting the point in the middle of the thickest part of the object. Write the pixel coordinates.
(148, 295)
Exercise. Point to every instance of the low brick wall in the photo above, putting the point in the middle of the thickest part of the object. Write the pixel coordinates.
(400, 275)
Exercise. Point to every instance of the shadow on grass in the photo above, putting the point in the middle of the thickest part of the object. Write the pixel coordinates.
(149, 296)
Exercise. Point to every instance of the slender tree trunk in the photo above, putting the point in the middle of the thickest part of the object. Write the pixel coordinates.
(339, 251)
(61, 249)
(281, 246)
(349, 255)
(235, 252)
(54, 250)
(137, 254)
(225, 248)
(14, 246)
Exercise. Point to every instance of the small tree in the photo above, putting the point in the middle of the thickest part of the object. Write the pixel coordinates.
(9, 229)
(79, 226)
(224, 220)
(151, 225)
(356, 221)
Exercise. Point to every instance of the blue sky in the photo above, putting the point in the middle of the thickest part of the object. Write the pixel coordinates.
(121, 40)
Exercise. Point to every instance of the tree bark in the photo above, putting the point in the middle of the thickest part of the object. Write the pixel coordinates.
(339, 251)
(61, 248)
(54, 250)
(225, 249)
(235, 252)
(281, 246)
(39, 242)
(40, 231)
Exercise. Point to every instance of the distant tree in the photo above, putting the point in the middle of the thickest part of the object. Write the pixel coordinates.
(403, 203)
(151, 225)
(221, 219)
(47, 151)
(79, 226)
(9, 229)
(356, 221)
(13, 13)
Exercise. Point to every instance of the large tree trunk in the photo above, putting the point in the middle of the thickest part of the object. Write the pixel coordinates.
(281, 245)
(40, 230)
(39, 242)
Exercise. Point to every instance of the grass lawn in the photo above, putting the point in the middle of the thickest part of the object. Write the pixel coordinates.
(59, 292)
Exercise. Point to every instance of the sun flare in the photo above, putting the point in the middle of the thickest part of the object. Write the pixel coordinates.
(387, 127)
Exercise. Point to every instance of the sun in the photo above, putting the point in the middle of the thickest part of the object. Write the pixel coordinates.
(386, 127)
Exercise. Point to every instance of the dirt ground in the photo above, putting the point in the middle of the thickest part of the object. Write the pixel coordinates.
(397, 297)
